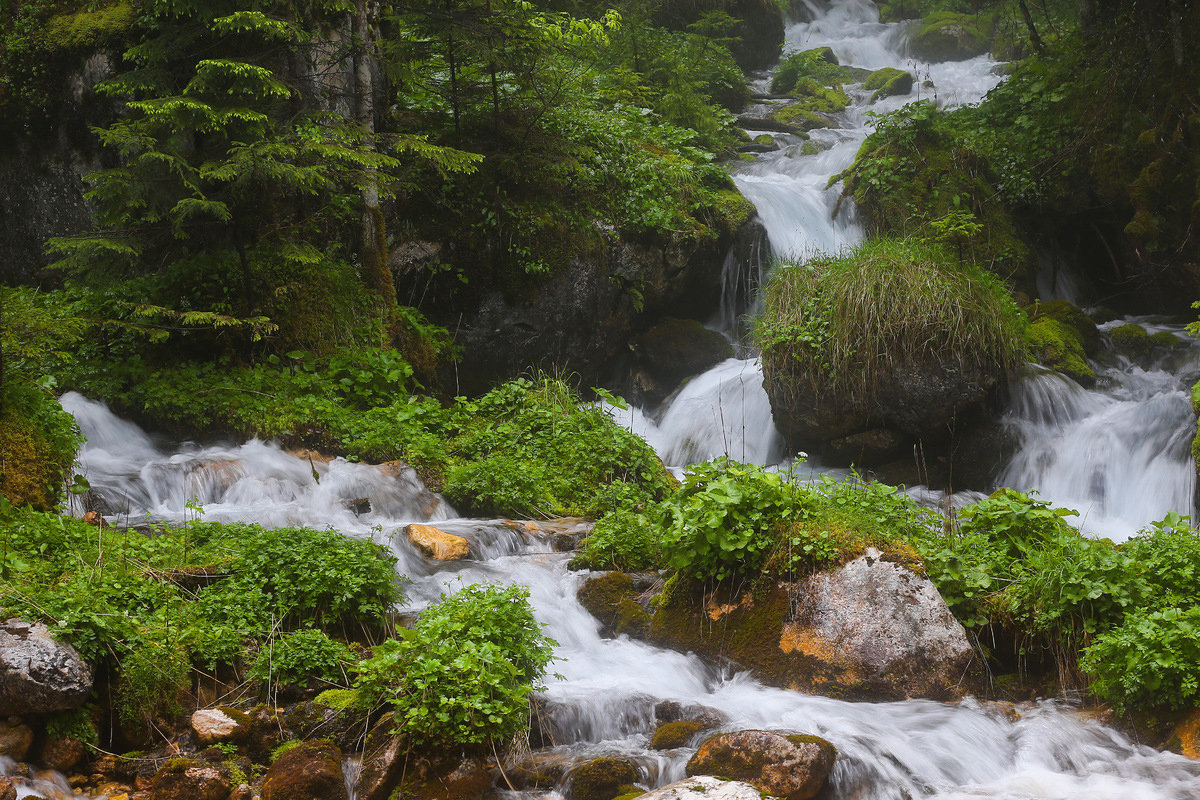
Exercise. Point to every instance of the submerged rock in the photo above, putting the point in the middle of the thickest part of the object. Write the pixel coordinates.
(437, 544)
(792, 766)
(38, 674)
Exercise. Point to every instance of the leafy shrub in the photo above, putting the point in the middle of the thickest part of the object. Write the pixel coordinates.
(1150, 661)
(300, 656)
(463, 674)
(625, 540)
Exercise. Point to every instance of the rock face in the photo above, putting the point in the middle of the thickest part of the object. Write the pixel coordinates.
(306, 772)
(792, 766)
(671, 351)
(38, 674)
(872, 629)
(437, 544)
(704, 787)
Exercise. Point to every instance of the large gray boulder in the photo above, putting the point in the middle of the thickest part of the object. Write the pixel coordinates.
(38, 674)
(878, 624)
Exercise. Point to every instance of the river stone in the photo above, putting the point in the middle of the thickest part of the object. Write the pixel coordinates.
(15, 739)
(187, 780)
(61, 753)
(382, 761)
(308, 771)
(38, 674)
(602, 778)
(793, 766)
(876, 624)
(706, 787)
(212, 725)
(437, 544)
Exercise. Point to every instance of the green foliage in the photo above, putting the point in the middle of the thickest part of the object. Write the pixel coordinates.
(818, 64)
(463, 674)
(823, 324)
(300, 656)
(625, 540)
(1150, 660)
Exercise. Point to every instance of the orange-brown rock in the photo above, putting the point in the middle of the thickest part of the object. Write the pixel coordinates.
(1185, 739)
(437, 544)
(310, 771)
(793, 766)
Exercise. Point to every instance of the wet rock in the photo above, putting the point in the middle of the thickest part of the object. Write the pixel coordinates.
(38, 674)
(314, 720)
(706, 787)
(462, 779)
(888, 82)
(1131, 339)
(676, 349)
(61, 753)
(1185, 738)
(947, 36)
(15, 739)
(541, 769)
(612, 598)
(212, 725)
(792, 766)
(382, 761)
(670, 735)
(437, 544)
(310, 771)
(183, 779)
(602, 778)
(8, 789)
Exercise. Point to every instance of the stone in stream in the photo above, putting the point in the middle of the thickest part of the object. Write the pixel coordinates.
(38, 674)
(184, 779)
(792, 766)
(307, 771)
(15, 739)
(437, 544)
(872, 629)
(706, 787)
(602, 778)
(676, 349)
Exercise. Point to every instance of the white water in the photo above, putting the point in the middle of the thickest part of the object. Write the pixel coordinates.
(603, 702)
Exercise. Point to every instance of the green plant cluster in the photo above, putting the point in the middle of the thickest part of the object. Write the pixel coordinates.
(462, 675)
(1119, 615)
(823, 325)
(145, 608)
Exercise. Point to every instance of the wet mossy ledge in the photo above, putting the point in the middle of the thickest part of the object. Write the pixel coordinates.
(853, 374)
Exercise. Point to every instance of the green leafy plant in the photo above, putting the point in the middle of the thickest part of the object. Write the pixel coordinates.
(300, 656)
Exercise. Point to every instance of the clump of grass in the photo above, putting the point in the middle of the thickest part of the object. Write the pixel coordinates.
(844, 325)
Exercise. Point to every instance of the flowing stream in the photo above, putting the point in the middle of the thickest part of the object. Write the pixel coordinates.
(602, 701)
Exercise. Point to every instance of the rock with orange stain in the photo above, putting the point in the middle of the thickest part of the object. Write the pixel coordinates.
(1185, 739)
(437, 544)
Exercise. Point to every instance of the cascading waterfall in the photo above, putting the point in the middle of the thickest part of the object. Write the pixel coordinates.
(601, 702)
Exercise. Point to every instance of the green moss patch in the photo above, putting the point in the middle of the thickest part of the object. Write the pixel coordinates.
(1060, 347)
(888, 82)
(947, 36)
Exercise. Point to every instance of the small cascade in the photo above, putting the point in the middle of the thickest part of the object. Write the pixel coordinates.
(1119, 454)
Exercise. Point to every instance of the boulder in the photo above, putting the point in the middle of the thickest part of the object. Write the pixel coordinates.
(382, 761)
(437, 544)
(602, 778)
(705, 787)
(1060, 347)
(15, 739)
(309, 771)
(871, 629)
(670, 735)
(8, 789)
(61, 753)
(888, 82)
(673, 350)
(38, 674)
(792, 766)
(314, 719)
(612, 598)
(947, 36)
(183, 779)
(212, 725)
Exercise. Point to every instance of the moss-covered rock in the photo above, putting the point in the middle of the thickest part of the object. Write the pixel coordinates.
(947, 36)
(670, 735)
(1131, 339)
(797, 116)
(1167, 340)
(612, 599)
(310, 771)
(602, 778)
(888, 82)
(1072, 315)
(1060, 347)
(671, 351)
(185, 779)
(792, 766)
(32, 470)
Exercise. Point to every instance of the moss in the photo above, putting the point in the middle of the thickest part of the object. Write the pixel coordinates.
(285, 748)
(1060, 347)
(947, 36)
(670, 735)
(796, 114)
(602, 779)
(808, 738)
(1072, 315)
(28, 476)
(1166, 339)
(811, 148)
(1131, 339)
(888, 82)
(732, 210)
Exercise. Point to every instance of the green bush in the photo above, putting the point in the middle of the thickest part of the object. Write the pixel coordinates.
(463, 674)
(1150, 661)
(625, 540)
(300, 656)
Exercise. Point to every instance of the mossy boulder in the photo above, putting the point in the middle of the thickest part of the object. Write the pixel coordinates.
(310, 771)
(1072, 315)
(1167, 340)
(671, 351)
(871, 629)
(602, 778)
(792, 766)
(1131, 339)
(948, 36)
(888, 82)
(670, 735)
(612, 599)
(1060, 347)
(33, 469)
(185, 779)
